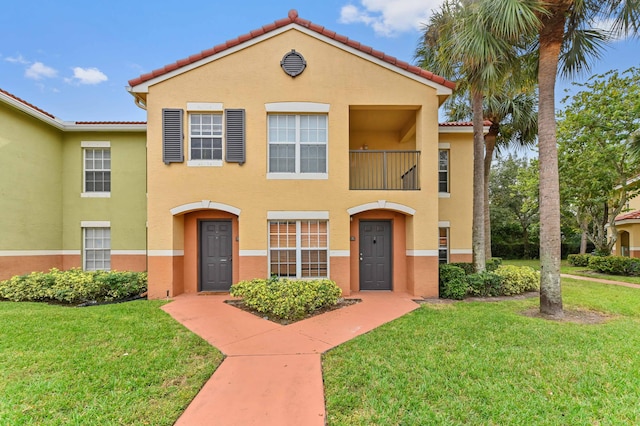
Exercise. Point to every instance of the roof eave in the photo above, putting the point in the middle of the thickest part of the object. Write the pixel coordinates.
(441, 90)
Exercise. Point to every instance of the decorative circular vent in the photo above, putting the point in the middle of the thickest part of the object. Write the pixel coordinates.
(293, 63)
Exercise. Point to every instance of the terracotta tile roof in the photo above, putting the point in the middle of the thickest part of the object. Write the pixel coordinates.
(22, 101)
(293, 18)
(109, 122)
(627, 216)
(463, 123)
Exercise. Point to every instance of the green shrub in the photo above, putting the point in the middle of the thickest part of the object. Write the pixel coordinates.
(484, 284)
(285, 298)
(467, 267)
(453, 283)
(579, 259)
(73, 286)
(615, 265)
(493, 264)
(518, 279)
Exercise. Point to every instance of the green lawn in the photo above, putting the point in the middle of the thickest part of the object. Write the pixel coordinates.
(485, 363)
(120, 364)
(565, 268)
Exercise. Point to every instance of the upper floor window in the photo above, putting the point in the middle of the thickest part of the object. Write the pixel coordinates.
(205, 139)
(443, 170)
(297, 146)
(97, 169)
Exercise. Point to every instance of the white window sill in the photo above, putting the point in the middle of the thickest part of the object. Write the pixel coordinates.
(298, 176)
(444, 195)
(204, 163)
(95, 195)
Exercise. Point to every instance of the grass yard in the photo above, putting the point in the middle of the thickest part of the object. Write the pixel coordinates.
(119, 364)
(485, 363)
(565, 268)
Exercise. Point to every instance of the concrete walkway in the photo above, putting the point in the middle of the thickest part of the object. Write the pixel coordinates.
(272, 374)
(599, 280)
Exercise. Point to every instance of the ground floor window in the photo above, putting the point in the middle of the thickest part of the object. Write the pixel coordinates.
(443, 245)
(97, 249)
(298, 248)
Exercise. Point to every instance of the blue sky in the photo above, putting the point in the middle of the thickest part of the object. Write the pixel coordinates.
(74, 58)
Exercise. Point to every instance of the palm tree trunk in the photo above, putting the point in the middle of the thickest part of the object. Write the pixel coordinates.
(490, 145)
(478, 236)
(551, 35)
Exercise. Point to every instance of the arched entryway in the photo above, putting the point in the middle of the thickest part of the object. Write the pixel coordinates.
(625, 247)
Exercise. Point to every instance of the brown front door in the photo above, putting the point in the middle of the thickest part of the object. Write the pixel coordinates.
(375, 255)
(215, 255)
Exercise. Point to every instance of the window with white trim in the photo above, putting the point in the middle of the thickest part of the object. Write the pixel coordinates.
(297, 145)
(299, 248)
(205, 139)
(443, 170)
(97, 170)
(443, 245)
(96, 249)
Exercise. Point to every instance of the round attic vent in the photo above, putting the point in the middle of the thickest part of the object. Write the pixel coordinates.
(293, 63)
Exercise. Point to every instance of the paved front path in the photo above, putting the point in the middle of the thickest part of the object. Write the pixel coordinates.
(599, 280)
(272, 374)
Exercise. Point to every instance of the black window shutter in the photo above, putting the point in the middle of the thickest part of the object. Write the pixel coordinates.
(172, 148)
(235, 135)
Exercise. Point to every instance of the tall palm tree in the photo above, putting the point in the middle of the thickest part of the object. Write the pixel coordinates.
(566, 38)
(476, 41)
(511, 111)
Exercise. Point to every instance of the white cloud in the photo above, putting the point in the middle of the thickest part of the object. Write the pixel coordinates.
(389, 17)
(38, 71)
(87, 76)
(608, 26)
(17, 60)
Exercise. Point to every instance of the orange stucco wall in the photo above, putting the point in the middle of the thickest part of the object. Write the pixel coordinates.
(165, 276)
(129, 262)
(253, 267)
(191, 261)
(20, 265)
(423, 275)
(340, 271)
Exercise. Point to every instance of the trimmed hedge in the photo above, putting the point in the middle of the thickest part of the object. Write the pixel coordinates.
(518, 279)
(453, 282)
(579, 259)
(467, 267)
(615, 265)
(484, 284)
(285, 298)
(73, 286)
(506, 280)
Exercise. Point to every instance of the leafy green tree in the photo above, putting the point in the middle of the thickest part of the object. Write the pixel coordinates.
(514, 201)
(593, 157)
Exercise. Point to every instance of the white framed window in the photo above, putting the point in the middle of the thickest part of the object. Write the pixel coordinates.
(443, 245)
(96, 175)
(443, 171)
(297, 146)
(96, 250)
(205, 139)
(299, 248)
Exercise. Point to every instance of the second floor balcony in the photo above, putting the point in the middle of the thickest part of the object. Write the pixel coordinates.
(384, 170)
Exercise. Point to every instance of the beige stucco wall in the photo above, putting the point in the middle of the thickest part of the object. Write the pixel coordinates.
(457, 208)
(252, 77)
(30, 183)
